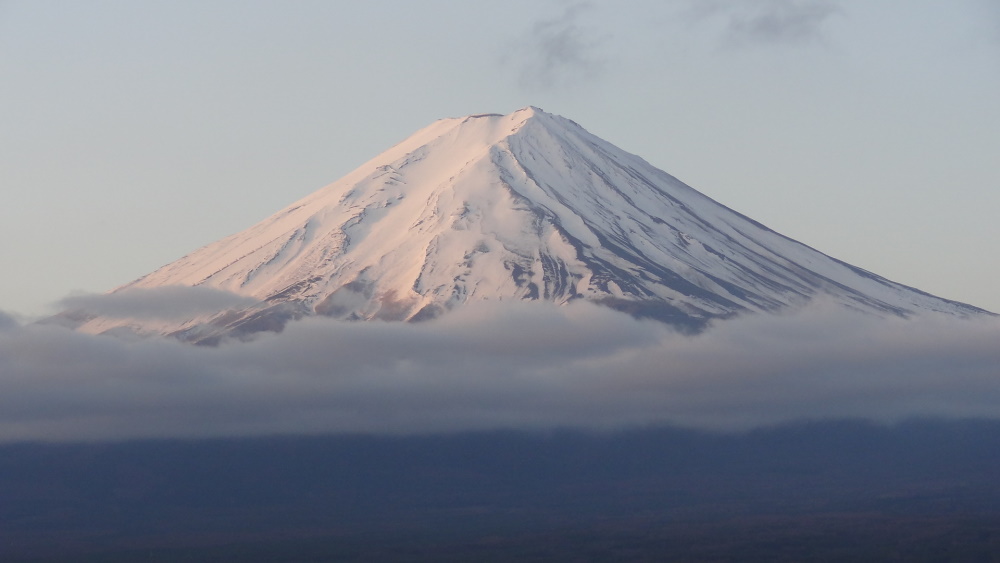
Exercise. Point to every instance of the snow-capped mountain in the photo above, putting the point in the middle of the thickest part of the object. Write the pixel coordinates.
(511, 207)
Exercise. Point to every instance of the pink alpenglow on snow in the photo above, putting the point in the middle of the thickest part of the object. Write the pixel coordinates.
(525, 206)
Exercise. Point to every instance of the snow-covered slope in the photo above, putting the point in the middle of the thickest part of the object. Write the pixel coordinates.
(521, 206)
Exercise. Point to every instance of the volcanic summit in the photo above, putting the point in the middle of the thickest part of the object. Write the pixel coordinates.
(525, 206)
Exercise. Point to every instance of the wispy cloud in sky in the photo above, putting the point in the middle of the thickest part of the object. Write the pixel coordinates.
(497, 366)
(559, 51)
(767, 22)
(991, 12)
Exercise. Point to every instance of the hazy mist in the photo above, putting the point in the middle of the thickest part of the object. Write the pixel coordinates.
(497, 366)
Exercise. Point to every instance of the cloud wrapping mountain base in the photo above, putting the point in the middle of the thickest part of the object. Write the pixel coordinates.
(498, 365)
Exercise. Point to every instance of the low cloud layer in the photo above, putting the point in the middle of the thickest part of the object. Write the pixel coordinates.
(7, 322)
(168, 302)
(497, 366)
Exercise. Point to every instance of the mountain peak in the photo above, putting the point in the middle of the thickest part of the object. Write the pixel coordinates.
(531, 110)
(523, 206)
(507, 123)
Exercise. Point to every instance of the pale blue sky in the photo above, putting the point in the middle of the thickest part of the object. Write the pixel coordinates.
(132, 133)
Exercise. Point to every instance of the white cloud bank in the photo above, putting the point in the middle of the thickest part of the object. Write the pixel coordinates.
(497, 366)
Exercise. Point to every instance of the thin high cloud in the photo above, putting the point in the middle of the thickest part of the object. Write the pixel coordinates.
(990, 10)
(168, 302)
(768, 22)
(560, 51)
(497, 366)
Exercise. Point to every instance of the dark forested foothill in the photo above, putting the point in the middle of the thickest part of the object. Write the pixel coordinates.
(820, 491)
